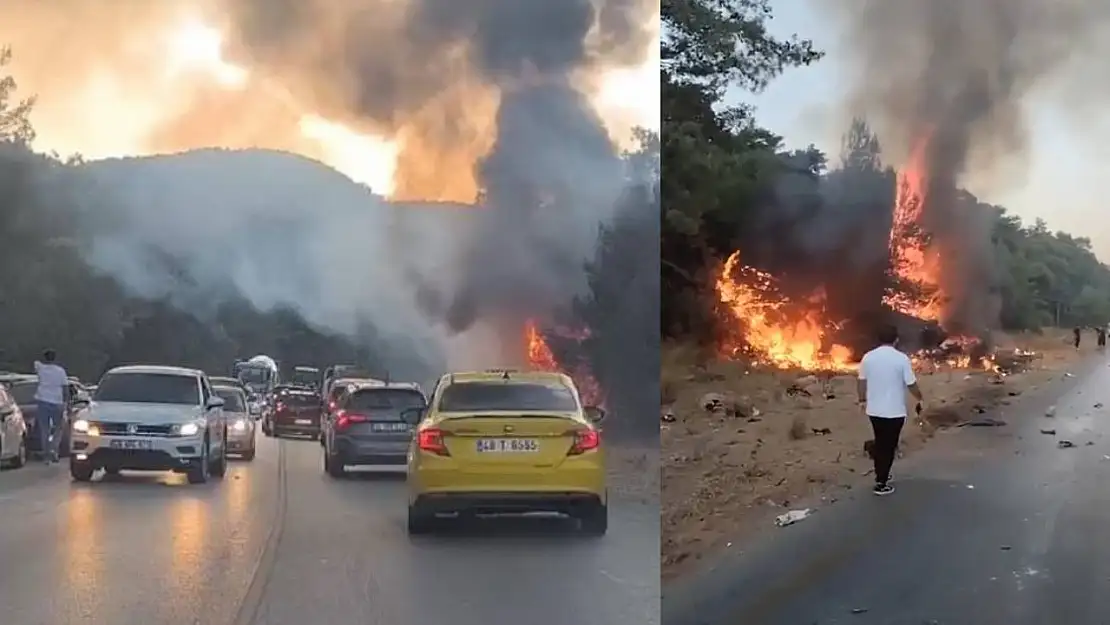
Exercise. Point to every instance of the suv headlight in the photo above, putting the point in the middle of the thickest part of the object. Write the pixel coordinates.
(240, 425)
(82, 426)
(187, 429)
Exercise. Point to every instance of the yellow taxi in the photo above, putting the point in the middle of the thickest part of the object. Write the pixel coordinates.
(504, 442)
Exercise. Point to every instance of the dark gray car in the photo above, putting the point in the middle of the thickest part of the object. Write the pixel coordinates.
(366, 428)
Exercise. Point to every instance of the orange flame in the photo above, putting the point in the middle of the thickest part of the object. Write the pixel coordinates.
(542, 358)
(776, 331)
(914, 261)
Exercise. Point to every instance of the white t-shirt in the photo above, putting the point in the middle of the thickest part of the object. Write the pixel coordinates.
(888, 372)
(52, 383)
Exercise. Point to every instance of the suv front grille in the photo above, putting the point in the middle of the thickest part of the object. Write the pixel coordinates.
(125, 429)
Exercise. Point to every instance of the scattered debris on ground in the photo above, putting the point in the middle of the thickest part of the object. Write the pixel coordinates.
(744, 445)
(792, 517)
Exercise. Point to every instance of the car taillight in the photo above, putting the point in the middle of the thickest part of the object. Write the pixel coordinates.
(331, 405)
(280, 407)
(585, 440)
(431, 441)
(344, 419)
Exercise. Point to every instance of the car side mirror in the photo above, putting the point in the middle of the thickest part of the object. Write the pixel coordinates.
(412, 416)
(594, 414)
(214, 402)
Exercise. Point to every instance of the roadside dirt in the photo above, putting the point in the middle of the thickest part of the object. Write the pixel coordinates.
(783, 437)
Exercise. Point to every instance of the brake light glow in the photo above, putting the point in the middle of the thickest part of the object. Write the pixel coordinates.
(280, 407)
(431, 441)
(331, 405)
(585, 440)
(344, 419)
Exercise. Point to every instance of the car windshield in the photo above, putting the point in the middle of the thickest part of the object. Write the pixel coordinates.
(24, 392)
(234, 400)
(384, 399)
(506, 396)
(149, 388)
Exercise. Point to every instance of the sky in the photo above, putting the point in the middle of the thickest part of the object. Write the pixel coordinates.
(1062, 182)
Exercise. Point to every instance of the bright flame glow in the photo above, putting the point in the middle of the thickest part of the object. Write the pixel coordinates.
(197, 47)
(360, 157)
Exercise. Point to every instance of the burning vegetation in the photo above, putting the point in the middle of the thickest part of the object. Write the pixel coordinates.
(774, 322)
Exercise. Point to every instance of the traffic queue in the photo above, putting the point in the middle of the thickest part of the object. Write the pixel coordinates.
(492, 442)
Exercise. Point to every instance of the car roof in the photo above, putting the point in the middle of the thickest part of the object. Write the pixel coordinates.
(553, 378)
(157, 369)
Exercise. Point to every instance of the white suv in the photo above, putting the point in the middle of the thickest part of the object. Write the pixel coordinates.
(151, 418)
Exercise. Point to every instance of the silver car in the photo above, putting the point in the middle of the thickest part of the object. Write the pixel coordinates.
(366, 427)
(240, 423)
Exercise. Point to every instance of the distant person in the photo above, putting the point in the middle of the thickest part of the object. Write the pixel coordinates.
(1078, 335)
(885, 373)
(50, 397)
(1100, 333)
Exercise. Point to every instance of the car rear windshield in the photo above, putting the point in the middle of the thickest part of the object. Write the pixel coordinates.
(500, 396)
(300, 399)
(24, 392)
(149, 388)
(234, 400)
(384, 399)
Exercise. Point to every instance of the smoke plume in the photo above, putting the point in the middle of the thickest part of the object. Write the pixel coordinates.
(952, 79)
(486, 101)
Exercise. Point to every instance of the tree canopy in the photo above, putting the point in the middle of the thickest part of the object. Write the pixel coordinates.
(726, 178)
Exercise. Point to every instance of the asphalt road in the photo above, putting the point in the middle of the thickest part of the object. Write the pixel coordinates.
(279, 543)
(990, 526)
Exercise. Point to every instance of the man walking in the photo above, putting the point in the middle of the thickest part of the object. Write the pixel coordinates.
(884, 376)
(50, 397)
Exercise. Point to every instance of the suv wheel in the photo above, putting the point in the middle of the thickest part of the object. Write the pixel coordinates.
(332, 465)
(198, 473)
(219, 465)
(80, 471)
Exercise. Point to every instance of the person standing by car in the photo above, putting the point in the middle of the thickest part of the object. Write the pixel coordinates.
(51, 401)
(885, 374)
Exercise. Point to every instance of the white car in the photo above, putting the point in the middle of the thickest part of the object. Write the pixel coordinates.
(151, 418)
(13, 432)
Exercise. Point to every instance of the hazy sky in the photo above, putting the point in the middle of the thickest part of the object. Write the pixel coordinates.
(1063, 183)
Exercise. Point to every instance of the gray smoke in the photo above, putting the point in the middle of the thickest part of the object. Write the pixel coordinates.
(445, 76)
(958, 75)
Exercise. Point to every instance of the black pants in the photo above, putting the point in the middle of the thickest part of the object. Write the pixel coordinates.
(887, 432)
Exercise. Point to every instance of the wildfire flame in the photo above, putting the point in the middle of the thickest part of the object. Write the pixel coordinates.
(774, 331)
(792, 333)
(542, 358)
(914, 261)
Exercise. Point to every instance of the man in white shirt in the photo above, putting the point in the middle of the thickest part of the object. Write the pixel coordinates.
(885, 374)
(51, 399)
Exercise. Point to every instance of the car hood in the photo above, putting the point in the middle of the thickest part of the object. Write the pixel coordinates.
(147, 414)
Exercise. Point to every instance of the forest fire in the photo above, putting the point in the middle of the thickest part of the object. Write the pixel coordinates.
(799, 332)
(914, 262)
(541, 357)
(775, 330)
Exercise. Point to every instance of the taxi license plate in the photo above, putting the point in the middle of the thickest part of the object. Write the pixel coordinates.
(303, 422)
(125, 444)
(508, 445)
(389, 427)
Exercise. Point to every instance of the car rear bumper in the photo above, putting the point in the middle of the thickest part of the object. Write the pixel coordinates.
(354, 452)
(506, 503)
(296, 428)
